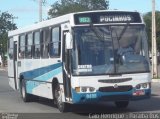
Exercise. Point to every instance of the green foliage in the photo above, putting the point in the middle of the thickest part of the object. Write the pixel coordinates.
(148, 21)
(5, 26)
(62, 7)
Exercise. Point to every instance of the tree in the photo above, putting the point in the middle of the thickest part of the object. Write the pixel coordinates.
(5, 25)
(148, 21)
(62, 7)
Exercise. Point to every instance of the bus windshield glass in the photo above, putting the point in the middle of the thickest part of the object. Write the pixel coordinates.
(104, 50)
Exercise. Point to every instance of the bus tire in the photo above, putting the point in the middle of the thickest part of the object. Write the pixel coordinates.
(62, 106)
(121, 104)
(24, 95)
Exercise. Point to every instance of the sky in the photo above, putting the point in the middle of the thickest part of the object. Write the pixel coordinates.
(26, 11)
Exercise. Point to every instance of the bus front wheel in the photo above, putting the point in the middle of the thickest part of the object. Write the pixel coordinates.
(24, 95)
(62, 106)
(121, 104)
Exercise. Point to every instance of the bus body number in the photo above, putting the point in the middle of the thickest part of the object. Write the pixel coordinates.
(90, 96)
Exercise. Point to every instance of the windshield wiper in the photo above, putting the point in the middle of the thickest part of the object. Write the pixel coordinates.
(96, 33)
(123, 31)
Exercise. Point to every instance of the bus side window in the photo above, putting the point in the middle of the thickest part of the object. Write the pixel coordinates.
(45, 37)
(10, 47)
(36, 51)
(22, 46)
(29, 44)
(54, 49)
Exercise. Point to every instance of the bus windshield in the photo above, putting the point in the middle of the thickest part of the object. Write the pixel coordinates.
(104, 50)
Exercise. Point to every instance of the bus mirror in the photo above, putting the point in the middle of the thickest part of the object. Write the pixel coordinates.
(69, 42)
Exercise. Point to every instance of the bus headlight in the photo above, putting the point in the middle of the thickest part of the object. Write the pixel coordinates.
(87, 89)
(84, 89)
(91, 89)
(143, 86)
(138, 86)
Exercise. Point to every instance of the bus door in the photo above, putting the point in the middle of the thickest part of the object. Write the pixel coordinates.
(12, 62)
(66, 57)
(15, 63)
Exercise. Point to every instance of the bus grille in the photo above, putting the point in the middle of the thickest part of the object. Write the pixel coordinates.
(115, 89)
(115, 80)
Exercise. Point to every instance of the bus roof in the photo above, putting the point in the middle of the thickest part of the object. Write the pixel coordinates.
(58, 20)
(39, 25)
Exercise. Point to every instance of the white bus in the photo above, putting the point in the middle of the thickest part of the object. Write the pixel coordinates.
(85, 57)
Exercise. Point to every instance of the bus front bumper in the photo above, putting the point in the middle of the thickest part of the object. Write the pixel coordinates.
(78, 98)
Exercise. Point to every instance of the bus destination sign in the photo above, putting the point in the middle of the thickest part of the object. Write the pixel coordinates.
(115, 18)
(107, 17)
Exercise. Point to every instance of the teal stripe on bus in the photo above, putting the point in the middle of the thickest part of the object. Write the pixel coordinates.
(33, 84)
(32, 74)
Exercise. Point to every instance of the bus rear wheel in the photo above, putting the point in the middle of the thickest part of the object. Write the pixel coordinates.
(24, 95)
(62, 106)
(121, 104)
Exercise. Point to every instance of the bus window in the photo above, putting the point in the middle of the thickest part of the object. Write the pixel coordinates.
(55, 42)
(29, 44)
(22, 46)
(36, 52)
(10, 46)
(45, 37)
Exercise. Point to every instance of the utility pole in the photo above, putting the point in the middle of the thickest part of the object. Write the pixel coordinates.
(41, 3)
(154, 43)
(40, 10)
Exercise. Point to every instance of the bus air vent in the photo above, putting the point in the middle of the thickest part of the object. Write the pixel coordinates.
(115, 80)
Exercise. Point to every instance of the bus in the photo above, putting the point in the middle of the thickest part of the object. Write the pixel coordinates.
(82, 58)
